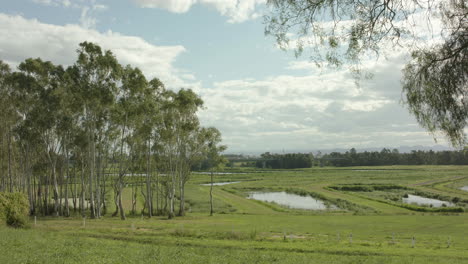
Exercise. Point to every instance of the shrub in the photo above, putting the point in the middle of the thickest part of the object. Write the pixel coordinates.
(14, 209)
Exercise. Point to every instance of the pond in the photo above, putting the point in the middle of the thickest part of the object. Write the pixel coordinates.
(415, 199)
(219, 183)
(464, 188)
(291, 200)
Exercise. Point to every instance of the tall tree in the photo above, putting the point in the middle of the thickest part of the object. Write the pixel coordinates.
(44, 79)
(7, 116)
(213, 156)
(95, 78)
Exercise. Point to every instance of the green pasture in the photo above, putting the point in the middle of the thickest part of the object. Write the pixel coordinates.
(368, 230)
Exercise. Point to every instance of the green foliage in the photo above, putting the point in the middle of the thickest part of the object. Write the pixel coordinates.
(285, 161)
(435, 81)
(367, 187)
(14, 209)
(394, 157)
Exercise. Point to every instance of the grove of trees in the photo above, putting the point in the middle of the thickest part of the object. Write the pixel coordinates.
(74, 138)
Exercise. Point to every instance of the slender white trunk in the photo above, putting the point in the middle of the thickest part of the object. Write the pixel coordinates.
(67, 207)
(149, 199)
(211, 194)
(10, 174)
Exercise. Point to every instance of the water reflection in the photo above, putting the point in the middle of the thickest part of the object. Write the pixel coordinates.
(290, 200)
(219, 183)
(415, 199)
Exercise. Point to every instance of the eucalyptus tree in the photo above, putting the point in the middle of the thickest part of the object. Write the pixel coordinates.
(128, 115)
(95, 78)
(179, 124)
(22, 99)
(6, 116)
(44, 79)
(148, 131)
(435, 81)
(201, 144)
(168, 147)
(189, 143)
(213, 156)
(337, 32)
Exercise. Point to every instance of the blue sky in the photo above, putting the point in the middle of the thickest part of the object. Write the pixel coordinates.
(260, 97)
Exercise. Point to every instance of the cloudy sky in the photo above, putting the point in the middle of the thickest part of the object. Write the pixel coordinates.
(260, 97)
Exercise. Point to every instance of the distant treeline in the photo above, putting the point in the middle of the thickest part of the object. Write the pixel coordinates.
(366, 158)
(285, 161)
(394, 157)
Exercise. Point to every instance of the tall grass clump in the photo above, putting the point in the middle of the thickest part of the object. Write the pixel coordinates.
(14, 209)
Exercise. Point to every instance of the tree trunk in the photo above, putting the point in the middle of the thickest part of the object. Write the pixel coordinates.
(121, 171)
(182, 195)
(91, 176)
(158, 208)
(67, 208)
(116, 199)
(75, 183)
(103, 190)
(98, 189)
(211, 194)
(134, 198)
(122, 212)
(172, 194)
(47, 194)
(82, 196)
(149, 199)
(10, 174)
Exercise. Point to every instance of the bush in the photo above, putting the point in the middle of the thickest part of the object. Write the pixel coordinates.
(14, 209)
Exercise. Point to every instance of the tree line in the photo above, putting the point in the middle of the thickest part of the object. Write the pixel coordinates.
(72, 138)
(366, 158)
(394, 157)
(285, 161)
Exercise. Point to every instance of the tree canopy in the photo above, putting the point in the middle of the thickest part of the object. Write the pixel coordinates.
(72, 135)
(434, 80)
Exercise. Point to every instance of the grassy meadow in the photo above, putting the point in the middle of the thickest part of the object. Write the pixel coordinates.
(370, 226)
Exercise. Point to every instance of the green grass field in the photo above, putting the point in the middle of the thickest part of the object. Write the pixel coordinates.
(369, 229)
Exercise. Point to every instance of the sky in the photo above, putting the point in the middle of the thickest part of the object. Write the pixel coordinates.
(260, 97)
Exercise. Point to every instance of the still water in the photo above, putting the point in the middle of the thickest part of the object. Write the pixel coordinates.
(219, 183)
(290, 200)
(425, 201)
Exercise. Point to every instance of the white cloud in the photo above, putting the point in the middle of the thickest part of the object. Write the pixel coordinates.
(89, 9)
(24, 38)
(364, 106)
(45, 2)
(88, 15)
(302, 65)
(319, 110)
(64, 3)
(236, 10)
(177, 6)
